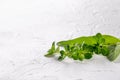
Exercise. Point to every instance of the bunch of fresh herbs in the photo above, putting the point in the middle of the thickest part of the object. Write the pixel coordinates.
(85, 47)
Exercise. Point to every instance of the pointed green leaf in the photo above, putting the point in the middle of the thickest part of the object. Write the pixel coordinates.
(51, 51)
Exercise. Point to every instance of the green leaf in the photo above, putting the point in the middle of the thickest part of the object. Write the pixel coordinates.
(99, 35)
(81, 57)
(105, 51)
(88, 55)
(110, 40)
(97, 50)
(67, 47)
(75, 55)
(62, 56)
(114, 52)
(99, 39)
(87, 40)
(57, 49)
(88, 48)
(91, 40)
(62, 52)
(51, 51)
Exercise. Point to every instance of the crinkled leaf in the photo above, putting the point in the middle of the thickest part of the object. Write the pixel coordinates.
(114, 52)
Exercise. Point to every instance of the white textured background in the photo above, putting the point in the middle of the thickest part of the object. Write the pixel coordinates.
(27, 28)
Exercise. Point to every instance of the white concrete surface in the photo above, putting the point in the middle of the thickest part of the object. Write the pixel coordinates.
(27, 28)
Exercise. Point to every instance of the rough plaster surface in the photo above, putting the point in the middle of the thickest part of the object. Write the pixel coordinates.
(27, 28)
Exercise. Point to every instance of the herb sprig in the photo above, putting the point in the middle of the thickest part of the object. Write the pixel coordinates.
(85, 47)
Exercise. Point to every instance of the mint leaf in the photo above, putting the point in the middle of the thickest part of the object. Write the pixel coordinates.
(114, 52)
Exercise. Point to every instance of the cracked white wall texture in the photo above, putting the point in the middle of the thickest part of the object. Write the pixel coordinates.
(27, 28)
